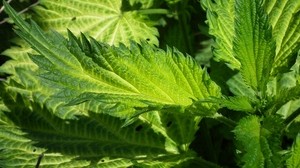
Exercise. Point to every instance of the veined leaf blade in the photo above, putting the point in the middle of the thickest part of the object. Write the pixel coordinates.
(104, 20)
(88, 141)
(284, 18)
(220, 16)
(238, 87)
(253, 43)
(237, 103)
(141, 72)
(248, 135)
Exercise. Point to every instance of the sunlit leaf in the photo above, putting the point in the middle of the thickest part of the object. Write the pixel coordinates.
(103, 20)
(220, 15)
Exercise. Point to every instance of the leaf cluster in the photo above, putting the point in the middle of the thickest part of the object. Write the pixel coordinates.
(94, 84)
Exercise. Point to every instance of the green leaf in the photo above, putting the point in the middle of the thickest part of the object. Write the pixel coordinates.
(19, 58)
(258, 141)
(272, 140)
(91, 141)
(220, 15)
(284, 18)
(293, 161)
(238, 87)
(252, 145)
(248, 135)
(284, 92)
(253, 43)
(53, 133)
(140, 73)
(138, 78)
(20, 68)
(287, 95)
(104, 20)
(238, 103)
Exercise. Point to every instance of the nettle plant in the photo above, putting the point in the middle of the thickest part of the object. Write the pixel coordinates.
(115, 99)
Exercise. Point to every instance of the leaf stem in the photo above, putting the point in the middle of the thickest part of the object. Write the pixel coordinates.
(153, 11)
(21, 12)
(225, 120)
(291, 117)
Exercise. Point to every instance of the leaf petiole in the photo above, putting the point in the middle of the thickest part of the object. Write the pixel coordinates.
(292, 117)
(225, 120)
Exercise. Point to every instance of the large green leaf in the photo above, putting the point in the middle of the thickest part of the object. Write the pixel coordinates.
(109, 74)
(243, 38)
(253, 43)
(19, 53)
(29, 131)
(106, 81)
(103, 20)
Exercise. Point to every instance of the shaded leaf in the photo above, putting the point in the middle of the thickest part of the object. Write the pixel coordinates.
(97, 140)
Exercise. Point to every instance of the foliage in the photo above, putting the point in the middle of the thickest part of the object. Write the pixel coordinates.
(109, 92)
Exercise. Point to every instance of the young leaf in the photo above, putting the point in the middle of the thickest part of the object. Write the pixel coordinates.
(253, 43)
(285, 92)
(252, 143)
(103, 20)
(248, 135)
(294, 161)
(284, 96)
(220, 15)
(271, 133)
(238, 103)
(238, 87)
